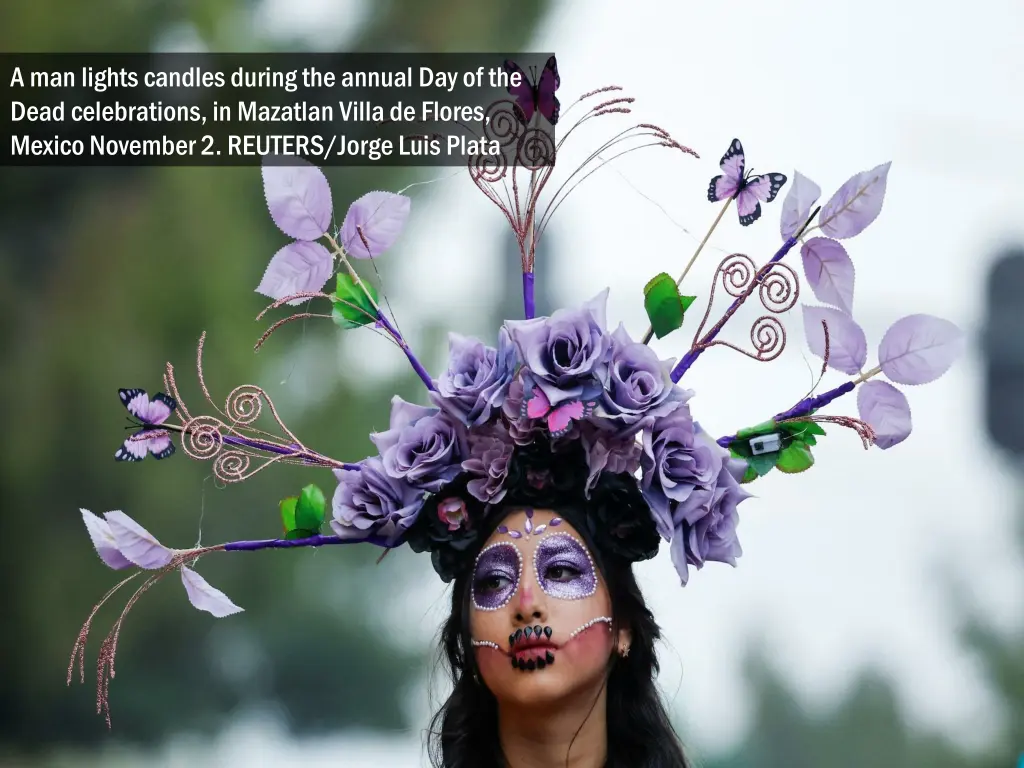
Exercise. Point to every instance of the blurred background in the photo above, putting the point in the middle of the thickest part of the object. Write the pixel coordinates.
(877, 615)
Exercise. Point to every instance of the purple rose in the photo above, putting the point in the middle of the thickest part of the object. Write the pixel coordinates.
(608, 452)
(477, 378)
(639, 385)
(674, 464)
(370, 502)
(490, 453)
(521, 429)
(425, 447)
(705, 524)
(567, 353)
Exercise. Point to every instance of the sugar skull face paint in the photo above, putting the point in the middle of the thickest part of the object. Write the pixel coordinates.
(542, 632)
(564, 567)
(496, 576)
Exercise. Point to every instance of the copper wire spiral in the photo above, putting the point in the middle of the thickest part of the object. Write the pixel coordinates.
(203, 437)
(502, 123)
(232, 466)
(779, 289)
(487, 169)
(244, 404)
(737, 271)
(535, 150)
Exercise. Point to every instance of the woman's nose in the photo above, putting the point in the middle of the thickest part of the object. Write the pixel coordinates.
(530, 606)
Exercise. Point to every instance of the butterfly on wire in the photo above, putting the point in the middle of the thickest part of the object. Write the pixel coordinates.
(536, 94)
(746, 189)
(150, 438)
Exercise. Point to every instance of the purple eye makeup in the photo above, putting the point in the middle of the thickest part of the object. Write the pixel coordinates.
(496, 575)
(564, 567)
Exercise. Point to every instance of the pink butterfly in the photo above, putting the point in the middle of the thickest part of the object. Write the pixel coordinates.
(539, 95)
(745, 189)
(559, 418)
(151, 413)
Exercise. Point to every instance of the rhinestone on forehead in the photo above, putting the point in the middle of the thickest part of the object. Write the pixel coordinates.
(519, 576)
(529, 529)
(593, 567)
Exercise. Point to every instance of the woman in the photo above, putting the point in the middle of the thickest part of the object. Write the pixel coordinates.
(543, 467)
(552, 664)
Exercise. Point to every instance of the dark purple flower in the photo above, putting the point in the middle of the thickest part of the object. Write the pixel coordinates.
(490, 452)
(705, 524)
(674, 463)
(424, 446)
(608, 452)
(369, 502)
(567, 353)
(477, 378)
(639, 385)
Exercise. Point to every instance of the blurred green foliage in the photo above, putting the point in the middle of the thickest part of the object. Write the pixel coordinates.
(106, 274)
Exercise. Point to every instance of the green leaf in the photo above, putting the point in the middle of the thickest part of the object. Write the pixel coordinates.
(665, 306)
(309, 511)
(796, 458)
(300, 533)
(288, 512)
(740, 449)
(764, 428)
(749, 476)
(764, 463)
(354, 309)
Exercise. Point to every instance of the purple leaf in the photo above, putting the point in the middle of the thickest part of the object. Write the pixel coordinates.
(829, 272)
(848, 347)
(918, 349)
(857, 203)
(103, 541)
(298, 267)
(207, 598)
(381, 216)
(299, 198)
(136, 543)
(886, 409)
(803, 193)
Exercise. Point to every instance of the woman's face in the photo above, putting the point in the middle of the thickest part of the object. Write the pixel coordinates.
(540, 613)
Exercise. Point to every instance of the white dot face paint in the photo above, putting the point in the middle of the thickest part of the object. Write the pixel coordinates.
(496, 576)
(564, 568)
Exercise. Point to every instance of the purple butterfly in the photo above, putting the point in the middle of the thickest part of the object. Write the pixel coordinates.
(560, 417)
(151, 413)
(745, 189)
(537, 95)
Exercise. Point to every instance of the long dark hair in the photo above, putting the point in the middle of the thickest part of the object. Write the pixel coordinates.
(617, 528)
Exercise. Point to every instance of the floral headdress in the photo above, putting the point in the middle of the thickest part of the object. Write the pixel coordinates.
(565, 383)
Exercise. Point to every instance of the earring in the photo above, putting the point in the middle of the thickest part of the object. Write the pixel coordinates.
(624, 651)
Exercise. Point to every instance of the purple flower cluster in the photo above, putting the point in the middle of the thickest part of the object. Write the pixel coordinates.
(604, 389)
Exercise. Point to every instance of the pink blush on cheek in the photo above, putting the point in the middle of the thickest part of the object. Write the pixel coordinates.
(491, 662)
(591, 647)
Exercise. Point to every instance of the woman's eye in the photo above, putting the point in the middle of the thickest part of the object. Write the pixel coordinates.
(561, 573)
(492, 583)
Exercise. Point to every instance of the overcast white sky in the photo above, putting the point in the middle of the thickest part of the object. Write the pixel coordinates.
(849, 563)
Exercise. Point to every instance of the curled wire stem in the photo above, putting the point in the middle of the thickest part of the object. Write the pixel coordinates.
(778, 290)
(495, 176)
(864, 431)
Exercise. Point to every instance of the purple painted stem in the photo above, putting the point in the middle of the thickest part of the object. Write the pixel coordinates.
(529, 309)
(282, 450)
(416, 366)
(803, 408)
(688, 359)
(312, 541)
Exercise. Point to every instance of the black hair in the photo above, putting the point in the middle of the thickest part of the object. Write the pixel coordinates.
(616, 524)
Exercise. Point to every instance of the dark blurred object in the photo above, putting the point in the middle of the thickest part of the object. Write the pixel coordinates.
(1003, 345)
